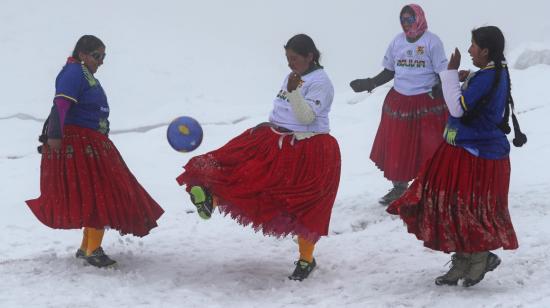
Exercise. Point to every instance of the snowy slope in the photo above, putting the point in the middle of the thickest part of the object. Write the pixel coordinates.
(222, 63)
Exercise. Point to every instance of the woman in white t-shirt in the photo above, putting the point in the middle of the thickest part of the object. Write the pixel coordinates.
(414, 112)
(281, 176)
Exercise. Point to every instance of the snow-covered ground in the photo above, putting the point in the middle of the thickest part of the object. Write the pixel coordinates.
(222, 63)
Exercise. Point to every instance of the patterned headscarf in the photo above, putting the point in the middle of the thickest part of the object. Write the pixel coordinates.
(420, 24)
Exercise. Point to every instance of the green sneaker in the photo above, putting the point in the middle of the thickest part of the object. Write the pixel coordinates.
(202, 199)
(302, 270)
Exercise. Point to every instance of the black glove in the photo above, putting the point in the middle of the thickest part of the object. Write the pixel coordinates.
(361, 85)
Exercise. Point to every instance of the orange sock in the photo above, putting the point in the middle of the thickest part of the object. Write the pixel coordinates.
(84, 244)
(214, 202)
(95, 236)
(306, 249)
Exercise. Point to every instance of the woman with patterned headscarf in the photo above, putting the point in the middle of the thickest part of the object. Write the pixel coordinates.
(414, 112)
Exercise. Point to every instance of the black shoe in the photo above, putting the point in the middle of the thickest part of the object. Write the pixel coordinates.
(202, 199)
(98, 258)
(303, 268)
(80, 254)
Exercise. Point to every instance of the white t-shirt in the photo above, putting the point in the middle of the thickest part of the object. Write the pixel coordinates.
(317, 91)
(417, 64)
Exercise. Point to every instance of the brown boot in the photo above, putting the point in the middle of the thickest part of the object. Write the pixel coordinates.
(477, 270)
(460, 263)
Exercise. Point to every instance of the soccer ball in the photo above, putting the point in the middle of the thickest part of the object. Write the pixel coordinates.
(184, 134)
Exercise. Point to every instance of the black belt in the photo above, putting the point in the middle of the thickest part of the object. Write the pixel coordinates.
(276, 127)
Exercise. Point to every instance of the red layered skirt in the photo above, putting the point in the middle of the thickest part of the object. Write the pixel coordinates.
(87, 184)
(459, 203)
(410, 131)
(271, 181)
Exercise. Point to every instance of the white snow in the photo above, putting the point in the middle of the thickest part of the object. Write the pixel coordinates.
(531, 57)
(222, 62)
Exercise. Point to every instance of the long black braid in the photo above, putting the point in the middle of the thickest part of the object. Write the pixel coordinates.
(519, 137)
(491, 37)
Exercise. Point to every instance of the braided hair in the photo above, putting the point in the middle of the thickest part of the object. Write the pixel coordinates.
(491, 37)
(302, 44)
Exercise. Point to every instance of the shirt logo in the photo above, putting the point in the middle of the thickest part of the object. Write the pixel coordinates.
(409, 53)
(419, 50)
(282, 95)
(315, 101)
(411, 63)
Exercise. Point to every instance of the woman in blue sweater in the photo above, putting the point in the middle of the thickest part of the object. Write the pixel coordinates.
(459, 201)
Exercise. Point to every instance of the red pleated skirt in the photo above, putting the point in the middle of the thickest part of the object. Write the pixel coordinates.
(271, 181)
(459, 203)
(87, 184)
(410, 131)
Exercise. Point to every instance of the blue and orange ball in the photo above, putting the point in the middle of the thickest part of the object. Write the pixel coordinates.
(184, 134)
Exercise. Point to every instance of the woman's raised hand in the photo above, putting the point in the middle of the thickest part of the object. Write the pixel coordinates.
(454, 62)
(294, 81)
